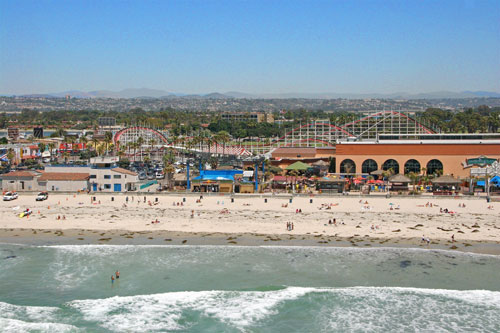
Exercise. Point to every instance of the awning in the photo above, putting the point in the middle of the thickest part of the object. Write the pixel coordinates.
(300, 166)
(248, 173)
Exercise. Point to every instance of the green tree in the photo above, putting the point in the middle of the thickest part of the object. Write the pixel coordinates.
(169, 170)
(108, 138)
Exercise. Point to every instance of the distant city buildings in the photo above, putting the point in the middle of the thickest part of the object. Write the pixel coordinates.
(258, 117)
(13, 133)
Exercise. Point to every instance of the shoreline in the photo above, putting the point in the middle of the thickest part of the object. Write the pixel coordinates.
(55, 237)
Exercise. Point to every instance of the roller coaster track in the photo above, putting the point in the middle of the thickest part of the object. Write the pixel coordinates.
(313, 134)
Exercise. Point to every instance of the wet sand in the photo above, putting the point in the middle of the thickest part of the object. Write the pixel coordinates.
(250, 221)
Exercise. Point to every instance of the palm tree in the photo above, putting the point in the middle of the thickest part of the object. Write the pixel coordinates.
(414, 177)
(52, 146)
(223, 137)
(169, 170)
(108, 138)
(95, 142)
(65, 155)
(83, 139)
(152, 142)
(134, 145)
(100, 150)
(129, 146)
(140, 142)
(11, 155)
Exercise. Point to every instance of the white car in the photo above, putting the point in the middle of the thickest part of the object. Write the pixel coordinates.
(42, 196)
(10, 196)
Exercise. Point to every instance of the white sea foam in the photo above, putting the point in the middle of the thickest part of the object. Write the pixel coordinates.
(411, 309)
(163, 311)
(18, 318)
(351, 308)
(26, 312)
(19, 326)
(105, 249)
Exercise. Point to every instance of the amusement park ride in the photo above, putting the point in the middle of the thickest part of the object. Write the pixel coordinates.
(319, 133)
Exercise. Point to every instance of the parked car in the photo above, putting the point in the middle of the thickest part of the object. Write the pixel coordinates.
(151, 176)
(142, 176)
(42, 196)
(10, 196)
(160, 175)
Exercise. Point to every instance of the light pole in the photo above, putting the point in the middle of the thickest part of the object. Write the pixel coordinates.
(494, 170)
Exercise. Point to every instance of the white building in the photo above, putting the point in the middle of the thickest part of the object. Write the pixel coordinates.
(105, 176)
(68, 182)
(102, 175)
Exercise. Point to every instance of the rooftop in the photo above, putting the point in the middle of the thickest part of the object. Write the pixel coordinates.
(124, 171)
(64, 176)
(21, 173)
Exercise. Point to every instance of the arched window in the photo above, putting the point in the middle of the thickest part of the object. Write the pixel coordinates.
(434, 166)
(369, 166)
(412, 166)
(391, 164)
(347, 166)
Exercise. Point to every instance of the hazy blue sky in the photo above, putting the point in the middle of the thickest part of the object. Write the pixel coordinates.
(250, 46)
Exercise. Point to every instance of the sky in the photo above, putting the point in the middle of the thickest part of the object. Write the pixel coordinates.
(253, 46)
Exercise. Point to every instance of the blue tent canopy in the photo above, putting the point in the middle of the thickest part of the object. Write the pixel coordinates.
(493, 181)
(218, 174)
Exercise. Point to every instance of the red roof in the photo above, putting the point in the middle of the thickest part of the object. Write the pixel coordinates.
(294, 152)
(21, 173)
(64, 176)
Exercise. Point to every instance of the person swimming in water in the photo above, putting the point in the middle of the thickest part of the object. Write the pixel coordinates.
(117, 273)
(112, 279)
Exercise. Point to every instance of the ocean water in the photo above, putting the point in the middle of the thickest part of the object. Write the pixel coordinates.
(246, 289)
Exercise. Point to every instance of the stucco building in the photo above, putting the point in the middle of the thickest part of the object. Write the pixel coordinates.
(449, 154)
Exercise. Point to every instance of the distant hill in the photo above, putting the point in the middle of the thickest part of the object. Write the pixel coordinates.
(126, 93)
(216, 96)
(155, 93)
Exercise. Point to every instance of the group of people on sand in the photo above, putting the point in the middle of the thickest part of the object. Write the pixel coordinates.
(461, 205)
(156, 221)
(392, 207)
(177, 204)
(61, 218)
(298, 210)
(425, 240)
(446, 210)
(224, 211)
(289, 226)
(327, 206)
(334, 222)
(115, 276)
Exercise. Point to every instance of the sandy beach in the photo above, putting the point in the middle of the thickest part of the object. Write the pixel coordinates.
(249, 220)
